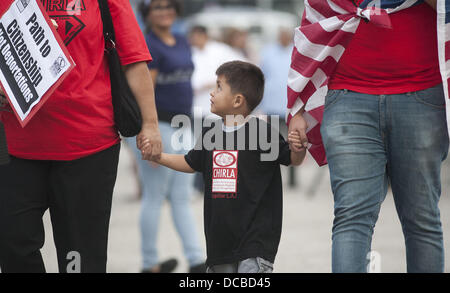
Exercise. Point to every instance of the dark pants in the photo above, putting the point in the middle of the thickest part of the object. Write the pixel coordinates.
(78, 194)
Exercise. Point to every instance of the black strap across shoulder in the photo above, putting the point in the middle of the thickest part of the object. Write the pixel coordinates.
(108, 27)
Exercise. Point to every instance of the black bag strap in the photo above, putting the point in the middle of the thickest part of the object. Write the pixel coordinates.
(108, 27)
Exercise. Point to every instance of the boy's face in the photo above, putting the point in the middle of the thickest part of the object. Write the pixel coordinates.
(222, 99)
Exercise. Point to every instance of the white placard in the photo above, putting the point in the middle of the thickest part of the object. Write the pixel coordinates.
(32, 58)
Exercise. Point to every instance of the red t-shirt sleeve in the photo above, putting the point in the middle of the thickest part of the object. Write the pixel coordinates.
(130, 41)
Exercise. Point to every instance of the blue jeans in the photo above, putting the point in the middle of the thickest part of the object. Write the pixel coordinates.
(371, 140)
(159, 183)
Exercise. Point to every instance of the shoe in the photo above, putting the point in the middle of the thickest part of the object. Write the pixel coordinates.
(165, 267)
(198, 269)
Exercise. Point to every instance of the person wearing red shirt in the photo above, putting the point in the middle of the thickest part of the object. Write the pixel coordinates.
(384, 122)
(66, 157)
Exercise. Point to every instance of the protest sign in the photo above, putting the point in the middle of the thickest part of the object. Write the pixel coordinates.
(33, 58)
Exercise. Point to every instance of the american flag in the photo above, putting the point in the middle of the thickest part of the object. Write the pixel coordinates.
(326, 29)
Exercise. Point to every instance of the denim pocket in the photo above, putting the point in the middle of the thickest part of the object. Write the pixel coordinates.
(433, 96)
(331, 97)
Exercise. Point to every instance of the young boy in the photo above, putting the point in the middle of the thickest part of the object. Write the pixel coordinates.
(243, 189)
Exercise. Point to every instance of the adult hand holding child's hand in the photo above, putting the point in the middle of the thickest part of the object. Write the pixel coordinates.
(153, 159)
(149, 143)
(295, 141)
(297, 131)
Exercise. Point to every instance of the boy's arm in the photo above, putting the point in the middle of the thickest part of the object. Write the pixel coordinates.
(176, 162)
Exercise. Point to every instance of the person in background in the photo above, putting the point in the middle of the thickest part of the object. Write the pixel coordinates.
(237, 40)
(207, 56)
(275, 63)
(66, 157)
(171, 72)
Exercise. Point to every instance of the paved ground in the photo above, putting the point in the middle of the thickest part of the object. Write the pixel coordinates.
(306, 240)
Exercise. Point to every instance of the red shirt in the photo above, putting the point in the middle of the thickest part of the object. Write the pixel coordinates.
(392, 61)
(77, 120)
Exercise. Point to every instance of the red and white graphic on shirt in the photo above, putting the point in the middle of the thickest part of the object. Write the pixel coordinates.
(224, 177)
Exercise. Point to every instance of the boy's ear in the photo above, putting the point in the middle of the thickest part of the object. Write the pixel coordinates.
(239, 100)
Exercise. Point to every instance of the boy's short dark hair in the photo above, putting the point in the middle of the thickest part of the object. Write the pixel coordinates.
(246, 79)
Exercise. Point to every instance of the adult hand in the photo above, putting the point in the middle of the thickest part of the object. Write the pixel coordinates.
(149, 142)
(298, 126)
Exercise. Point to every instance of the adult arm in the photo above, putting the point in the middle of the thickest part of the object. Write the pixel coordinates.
(154, 75)
(141, 84)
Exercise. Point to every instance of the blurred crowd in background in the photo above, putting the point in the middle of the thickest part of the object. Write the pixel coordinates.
(258, 31)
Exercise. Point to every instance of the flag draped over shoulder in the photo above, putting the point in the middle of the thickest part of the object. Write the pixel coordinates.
(326, 29)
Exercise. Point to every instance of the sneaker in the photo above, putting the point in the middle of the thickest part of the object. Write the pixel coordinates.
(167, 266)
(198, 269)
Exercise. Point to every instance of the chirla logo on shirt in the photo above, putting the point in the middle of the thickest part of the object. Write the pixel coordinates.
(224, 179)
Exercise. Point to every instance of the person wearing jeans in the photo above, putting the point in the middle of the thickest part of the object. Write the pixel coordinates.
(373, 140)
(384, 123)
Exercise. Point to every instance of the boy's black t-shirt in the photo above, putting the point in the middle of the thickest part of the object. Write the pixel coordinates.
(243, 194)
